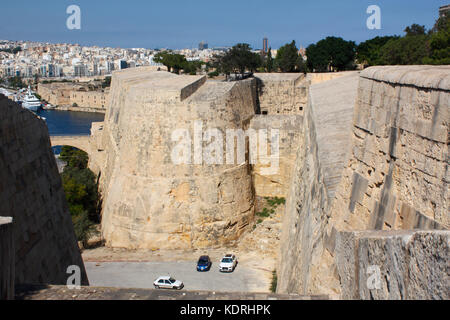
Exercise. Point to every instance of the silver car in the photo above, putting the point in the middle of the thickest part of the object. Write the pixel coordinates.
(167, 282)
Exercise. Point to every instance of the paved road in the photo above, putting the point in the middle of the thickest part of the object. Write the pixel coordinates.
(142, 275)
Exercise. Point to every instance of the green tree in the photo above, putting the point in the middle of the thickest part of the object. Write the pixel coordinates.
(16, 82)
(82, 226)
(301, 65)
(269, 61)
(74, 158)
(409, 50)
(13, 50)
(222, 63)
(439, 43)
(173, 61)
(213, 74)
(368, 52)
(81, 190)
(288, 59)
(191, 67)
(106, 82)
(75, 192)
(414, 48)
(331, 53)
(441, 24)
(238, 60)
(415, 30)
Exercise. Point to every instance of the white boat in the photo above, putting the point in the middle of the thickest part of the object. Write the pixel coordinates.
(30, 101)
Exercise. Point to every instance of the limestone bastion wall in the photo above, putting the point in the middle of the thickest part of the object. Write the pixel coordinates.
(306, 215)
(391, 201)
(397, 179)
(31, 193)
(282, 93)
(289, 128)
(148, 200)
(282, 99)
(320, 77)
(6, 259)
(393, 265)
(398, 174)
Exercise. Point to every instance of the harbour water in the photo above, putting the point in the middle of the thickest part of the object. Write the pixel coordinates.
(69, 123)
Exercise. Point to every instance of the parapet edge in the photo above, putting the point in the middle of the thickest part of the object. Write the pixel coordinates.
(433, 77)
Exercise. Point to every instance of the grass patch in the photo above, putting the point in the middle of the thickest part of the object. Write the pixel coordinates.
(273, 204)
(275, 201)
(264, 213)
(273, 285)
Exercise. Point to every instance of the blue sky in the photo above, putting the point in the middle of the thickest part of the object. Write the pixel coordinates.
(184, 23)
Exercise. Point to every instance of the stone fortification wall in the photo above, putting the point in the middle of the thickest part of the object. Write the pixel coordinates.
(31, 192)
(95, 148)
(75, 96)
(152, 202)
(393, 265)
(320, 77)
(7, 254)
(56, 93)
(95, 100)
(290, 129)
(282, 93)
(396, 179)
(398, 174)
(305, 219)
(282, 99)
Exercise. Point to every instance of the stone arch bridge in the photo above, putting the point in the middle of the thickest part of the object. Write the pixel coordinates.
(79, 142)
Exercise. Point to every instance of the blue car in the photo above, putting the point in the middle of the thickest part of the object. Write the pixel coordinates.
(204, 263)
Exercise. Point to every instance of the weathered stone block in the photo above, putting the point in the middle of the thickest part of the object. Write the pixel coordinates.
(393, 264)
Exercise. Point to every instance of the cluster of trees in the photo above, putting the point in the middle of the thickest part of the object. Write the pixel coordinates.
(417, 46)
(13, 50)
(81, 190)
(15, 82)
(331, 54)
(106, 82)
(177, 62)
(237, 60)
(287, 59)
(241, 59)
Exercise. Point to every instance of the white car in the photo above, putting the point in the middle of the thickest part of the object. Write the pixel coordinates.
(167, 282)
(228, 263)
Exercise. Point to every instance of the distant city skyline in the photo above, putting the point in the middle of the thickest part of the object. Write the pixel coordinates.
(178, 24)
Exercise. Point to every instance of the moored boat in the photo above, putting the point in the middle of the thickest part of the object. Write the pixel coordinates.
(30, 101)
